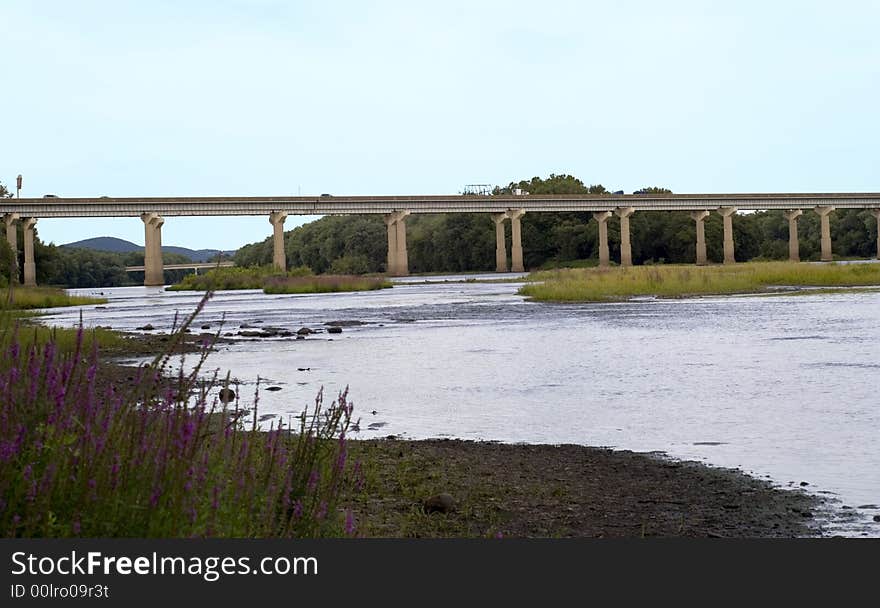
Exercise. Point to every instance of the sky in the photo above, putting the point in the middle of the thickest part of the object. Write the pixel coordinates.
(271, 97)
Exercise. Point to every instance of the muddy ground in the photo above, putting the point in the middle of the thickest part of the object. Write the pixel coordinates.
(567, 491)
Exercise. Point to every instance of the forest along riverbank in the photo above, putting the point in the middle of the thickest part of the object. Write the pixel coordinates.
(779, 387)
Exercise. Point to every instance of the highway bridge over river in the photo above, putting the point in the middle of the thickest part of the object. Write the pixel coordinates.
(395, 209)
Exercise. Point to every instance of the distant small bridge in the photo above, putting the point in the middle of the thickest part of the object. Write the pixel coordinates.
(192, 266)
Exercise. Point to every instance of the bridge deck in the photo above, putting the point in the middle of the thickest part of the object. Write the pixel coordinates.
(356, 205)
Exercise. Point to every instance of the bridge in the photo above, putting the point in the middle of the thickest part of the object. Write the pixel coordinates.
(395, 209)
(193, 266)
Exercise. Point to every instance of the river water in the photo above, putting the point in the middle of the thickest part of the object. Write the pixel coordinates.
(782, 387)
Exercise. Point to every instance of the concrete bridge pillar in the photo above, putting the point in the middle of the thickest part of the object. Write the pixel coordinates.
(500, 244)
(12, 238)
(402, 256)
(391, 264)
(876, 214)
(825, 224)
(153, 268)
(727, 214)
(604, 256)
(279, 258)
(398, 262)
(516, 252)
(30, 266)
(792, 216)
(699, 217)
(626, 258)
(11, 234)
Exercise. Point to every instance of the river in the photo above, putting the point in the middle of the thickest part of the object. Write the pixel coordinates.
(781, 387)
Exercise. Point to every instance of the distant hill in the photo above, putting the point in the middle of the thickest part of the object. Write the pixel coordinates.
(106, 243)
(112, 244)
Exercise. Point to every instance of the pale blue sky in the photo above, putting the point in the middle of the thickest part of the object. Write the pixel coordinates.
(268, 97)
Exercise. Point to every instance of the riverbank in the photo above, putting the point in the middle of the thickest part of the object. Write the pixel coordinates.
(549, 491)
(545, 491)
(609, 284)
(566, 491)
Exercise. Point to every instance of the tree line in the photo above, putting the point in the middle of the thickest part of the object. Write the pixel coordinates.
(466, 242)
(84, 268)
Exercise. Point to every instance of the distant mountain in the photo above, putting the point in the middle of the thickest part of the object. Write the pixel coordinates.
(106, 243)
(112, 244)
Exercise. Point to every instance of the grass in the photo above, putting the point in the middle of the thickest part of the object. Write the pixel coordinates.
(223, 279)
(28, 298)
(324, 284)
(554, 264)
(603, 284)
(83, 455)
(63, 339)
(267, 278)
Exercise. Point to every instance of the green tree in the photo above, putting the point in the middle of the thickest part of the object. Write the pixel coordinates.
(653, 190)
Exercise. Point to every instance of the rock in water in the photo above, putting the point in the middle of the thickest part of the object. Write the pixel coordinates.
(226, 395)
(334, 330)
(304, 331)
(441, 503)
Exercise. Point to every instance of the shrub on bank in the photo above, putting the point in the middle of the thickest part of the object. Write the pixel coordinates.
(85, 457)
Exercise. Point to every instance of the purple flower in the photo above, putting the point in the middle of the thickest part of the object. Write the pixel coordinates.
(8, 450)
(349, 522)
